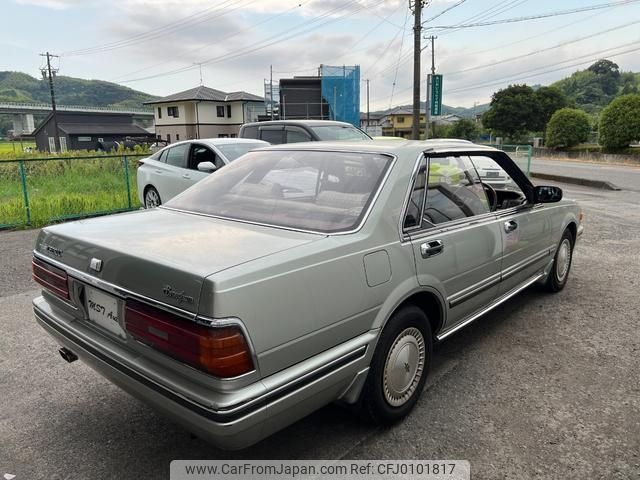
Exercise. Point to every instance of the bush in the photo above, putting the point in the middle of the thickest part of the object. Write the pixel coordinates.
(568, 127)
(465, 129)
(620, 122)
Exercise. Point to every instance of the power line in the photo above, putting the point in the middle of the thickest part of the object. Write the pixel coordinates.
(227, 37)
(538, 51)
(537, 17)
(592, 56)
(430, 19)
(159, 31)
(404, 33)
(270, 41)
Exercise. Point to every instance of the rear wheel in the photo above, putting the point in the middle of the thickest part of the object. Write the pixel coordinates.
(561, 263)
(151, 198)
(399, 367)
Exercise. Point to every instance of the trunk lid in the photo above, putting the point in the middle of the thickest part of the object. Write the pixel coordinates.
(162, 254)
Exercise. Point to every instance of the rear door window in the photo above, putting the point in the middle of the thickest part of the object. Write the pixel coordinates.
(297, 134)
(272, 135)
(454, 191)
(177, 157)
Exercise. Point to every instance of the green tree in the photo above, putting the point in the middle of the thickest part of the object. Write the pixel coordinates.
(567, 127)
(513, 111)
(465, 129)
(549, 100)
(620, 122)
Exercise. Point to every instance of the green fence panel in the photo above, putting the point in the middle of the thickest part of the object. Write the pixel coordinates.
(36, 192)
(521, 154)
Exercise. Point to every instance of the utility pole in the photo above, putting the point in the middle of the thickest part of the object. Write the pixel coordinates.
(368, 113)
(49, 73)
(417, 28)
(271, 89)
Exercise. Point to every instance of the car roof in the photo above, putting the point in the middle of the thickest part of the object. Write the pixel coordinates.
(393, 147)
(308, 123)
(218, 141)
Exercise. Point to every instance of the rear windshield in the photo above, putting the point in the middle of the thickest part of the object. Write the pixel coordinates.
(326, 192)
(235, 150)
(339, 132)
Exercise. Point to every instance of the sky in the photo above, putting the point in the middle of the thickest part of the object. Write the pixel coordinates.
(155, 45)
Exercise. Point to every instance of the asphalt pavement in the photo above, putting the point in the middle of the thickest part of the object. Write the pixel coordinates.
(544, 387)
(626, 177)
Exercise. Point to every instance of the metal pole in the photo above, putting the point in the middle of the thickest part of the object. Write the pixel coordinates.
(126, 178)
(368, 113)
(271, 89)
(25, 194)
(335, 101)
(417, 28)
(427, 109)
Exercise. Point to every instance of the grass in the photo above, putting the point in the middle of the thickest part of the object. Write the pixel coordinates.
(11, 147)
(62, 189)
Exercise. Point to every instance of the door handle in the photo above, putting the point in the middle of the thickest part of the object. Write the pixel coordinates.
(186, 175)
(431, 248)
(158, 171)
(510, 226)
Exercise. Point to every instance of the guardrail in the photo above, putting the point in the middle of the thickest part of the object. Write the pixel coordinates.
(38, 191)
(71, 108)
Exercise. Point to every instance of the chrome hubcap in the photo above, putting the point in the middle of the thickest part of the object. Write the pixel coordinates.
(404, 367)
(563, 260)
(151, 199)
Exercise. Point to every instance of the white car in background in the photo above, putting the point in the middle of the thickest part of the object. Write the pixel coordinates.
(491, 174)
(180, 165)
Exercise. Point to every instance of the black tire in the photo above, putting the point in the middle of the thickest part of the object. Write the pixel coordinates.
(561, 267)
(377, 403)
(149, 194)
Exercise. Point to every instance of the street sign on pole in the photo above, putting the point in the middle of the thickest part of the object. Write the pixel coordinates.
(436, 95)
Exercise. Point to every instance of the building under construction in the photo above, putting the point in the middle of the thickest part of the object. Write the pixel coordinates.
(334, 94)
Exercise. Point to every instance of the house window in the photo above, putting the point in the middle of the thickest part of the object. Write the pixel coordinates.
(173, 112)
(400, 119)
(228, 111)
(168, 138)
(159, 112)
(177, 137)
(84, 139)
(220, 110)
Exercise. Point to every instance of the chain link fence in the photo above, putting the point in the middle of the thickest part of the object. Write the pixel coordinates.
(521, 154)
(38, 191)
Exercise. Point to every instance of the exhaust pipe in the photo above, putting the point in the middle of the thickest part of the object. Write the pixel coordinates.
(68, 355)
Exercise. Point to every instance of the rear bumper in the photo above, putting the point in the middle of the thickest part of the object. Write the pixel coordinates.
(285, 397)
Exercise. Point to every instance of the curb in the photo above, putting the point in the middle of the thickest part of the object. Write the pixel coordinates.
(586, 182)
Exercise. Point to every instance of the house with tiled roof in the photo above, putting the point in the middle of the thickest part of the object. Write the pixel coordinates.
(204, 112)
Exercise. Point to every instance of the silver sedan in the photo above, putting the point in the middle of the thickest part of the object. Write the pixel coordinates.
(300, 275)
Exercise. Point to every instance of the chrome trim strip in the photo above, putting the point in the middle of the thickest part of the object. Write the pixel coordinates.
(522, 264)
(374, 199)
(473, 290)
(222, 415)
(491, 306)
(114, 289)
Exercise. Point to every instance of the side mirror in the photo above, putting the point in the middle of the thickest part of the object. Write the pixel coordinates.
(547, 194)
(208, 167)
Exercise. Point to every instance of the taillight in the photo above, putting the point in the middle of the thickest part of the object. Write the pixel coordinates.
(52, 278)
(140, 163)
(221, 351)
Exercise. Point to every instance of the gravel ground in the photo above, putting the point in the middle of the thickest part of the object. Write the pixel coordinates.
(544, 387)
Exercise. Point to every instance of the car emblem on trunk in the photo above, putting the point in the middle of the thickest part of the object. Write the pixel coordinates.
(95, 264)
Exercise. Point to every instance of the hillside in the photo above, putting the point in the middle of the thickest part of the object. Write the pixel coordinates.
(20, 87)
(594, 88)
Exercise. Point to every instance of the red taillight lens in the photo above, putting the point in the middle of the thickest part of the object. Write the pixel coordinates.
(221, 351)
(52, 278)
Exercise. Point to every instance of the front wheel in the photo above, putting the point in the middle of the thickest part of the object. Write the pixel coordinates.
(399, 367)
(559, 274)
(151, 198)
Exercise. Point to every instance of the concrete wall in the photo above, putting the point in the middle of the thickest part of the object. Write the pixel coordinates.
(587, 156)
